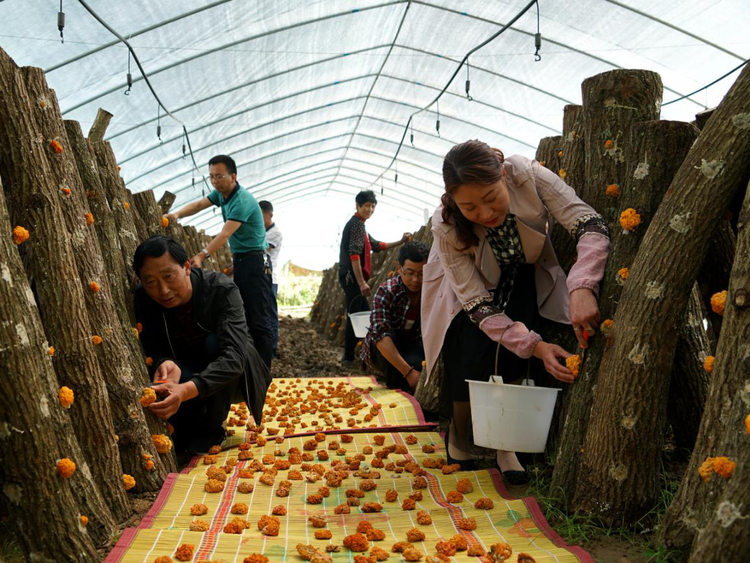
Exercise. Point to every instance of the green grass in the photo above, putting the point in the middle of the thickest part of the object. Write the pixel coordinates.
(580, 529)
(10, 552)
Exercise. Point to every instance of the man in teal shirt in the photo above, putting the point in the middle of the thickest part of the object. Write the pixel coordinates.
(246, 233)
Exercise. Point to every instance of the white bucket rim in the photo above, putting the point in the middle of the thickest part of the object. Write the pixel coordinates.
(525, 387)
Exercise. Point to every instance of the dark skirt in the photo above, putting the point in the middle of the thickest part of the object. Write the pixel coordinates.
(468, 353)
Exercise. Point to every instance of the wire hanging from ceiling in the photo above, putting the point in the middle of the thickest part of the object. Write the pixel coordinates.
(129, 77)
(161, 106)
(61, 22)
(537, 37)
(409, 126)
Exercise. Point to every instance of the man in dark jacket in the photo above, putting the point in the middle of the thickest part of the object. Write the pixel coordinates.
(194, 331)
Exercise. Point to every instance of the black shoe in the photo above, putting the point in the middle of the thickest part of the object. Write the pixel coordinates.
(184, 458)
(347, 362)
(515, 477)
(466, 464)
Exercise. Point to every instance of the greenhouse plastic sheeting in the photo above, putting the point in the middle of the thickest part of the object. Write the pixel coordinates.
(311, 98)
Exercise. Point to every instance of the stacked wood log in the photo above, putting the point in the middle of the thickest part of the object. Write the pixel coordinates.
(628, 415)
(71, 347)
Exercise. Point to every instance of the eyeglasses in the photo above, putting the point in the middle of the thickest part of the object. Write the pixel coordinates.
(213, 177)
(412, 274)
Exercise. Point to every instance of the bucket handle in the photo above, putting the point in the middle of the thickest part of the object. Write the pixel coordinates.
(526, 380)
(349, 309)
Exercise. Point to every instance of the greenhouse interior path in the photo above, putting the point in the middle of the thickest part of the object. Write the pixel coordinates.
(376, 461)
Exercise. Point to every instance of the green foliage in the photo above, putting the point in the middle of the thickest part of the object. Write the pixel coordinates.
(298, 290)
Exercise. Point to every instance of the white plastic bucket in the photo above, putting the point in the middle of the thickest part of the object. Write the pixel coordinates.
(511, 417)
(360, 323)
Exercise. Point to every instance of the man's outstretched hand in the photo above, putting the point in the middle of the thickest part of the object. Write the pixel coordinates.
(167, 371)
(173, 395)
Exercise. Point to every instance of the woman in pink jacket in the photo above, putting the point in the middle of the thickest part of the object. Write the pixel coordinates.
(492, 272)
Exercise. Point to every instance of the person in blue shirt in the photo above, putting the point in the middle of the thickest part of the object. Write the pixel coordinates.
(246, 233)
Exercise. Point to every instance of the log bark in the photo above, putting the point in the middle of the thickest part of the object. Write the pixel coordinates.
(620, 462)
(632, 145)
(33, 491)
(612, 102)
(149, 211)
(139, 222)
(714, 274)
(573, 161)
(688, 386)
(123, 387)
(166, 201)
(549, 152)
(702, 118)
(724, 525)
(123, 214)
(99, 127)
(34, 202)
(115, 269)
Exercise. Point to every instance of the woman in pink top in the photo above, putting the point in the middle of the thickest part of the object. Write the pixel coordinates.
(492, 272)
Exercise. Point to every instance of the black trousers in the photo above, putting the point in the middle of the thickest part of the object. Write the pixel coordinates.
(198, 422)
(411, 351)
(255, 286)
(355, 303)
(468, 353)
(275, 289)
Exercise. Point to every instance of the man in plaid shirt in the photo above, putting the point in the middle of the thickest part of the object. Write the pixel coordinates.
(394, 340)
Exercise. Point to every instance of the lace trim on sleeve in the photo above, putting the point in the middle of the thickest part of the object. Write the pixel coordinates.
(480, 309)
(589, 223)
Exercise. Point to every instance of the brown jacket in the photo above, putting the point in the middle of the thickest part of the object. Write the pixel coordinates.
(453, 277)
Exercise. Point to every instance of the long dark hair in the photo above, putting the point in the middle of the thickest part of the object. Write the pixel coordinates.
(474, 163)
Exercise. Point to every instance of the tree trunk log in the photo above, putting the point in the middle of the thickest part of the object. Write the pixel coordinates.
(166, 201)
(660, 141)
(117, 269)
(123, 387)
(99, 127)
(114, 266)
(724, 526)
(573, 163)
(620, 461)
(140, 222)
(688, 387)
(34, 200)
(548, 153)
(613, 101)
(36, 432)
(124, 215)
(149, 211)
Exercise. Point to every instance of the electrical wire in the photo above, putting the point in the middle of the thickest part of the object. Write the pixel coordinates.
(447, 85)
(148, 83)
(735, 69)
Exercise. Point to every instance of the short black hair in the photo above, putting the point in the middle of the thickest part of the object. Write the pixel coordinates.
(227, 161)
(156, 246)
(366, 196)
(414, 251)
(266, 206)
